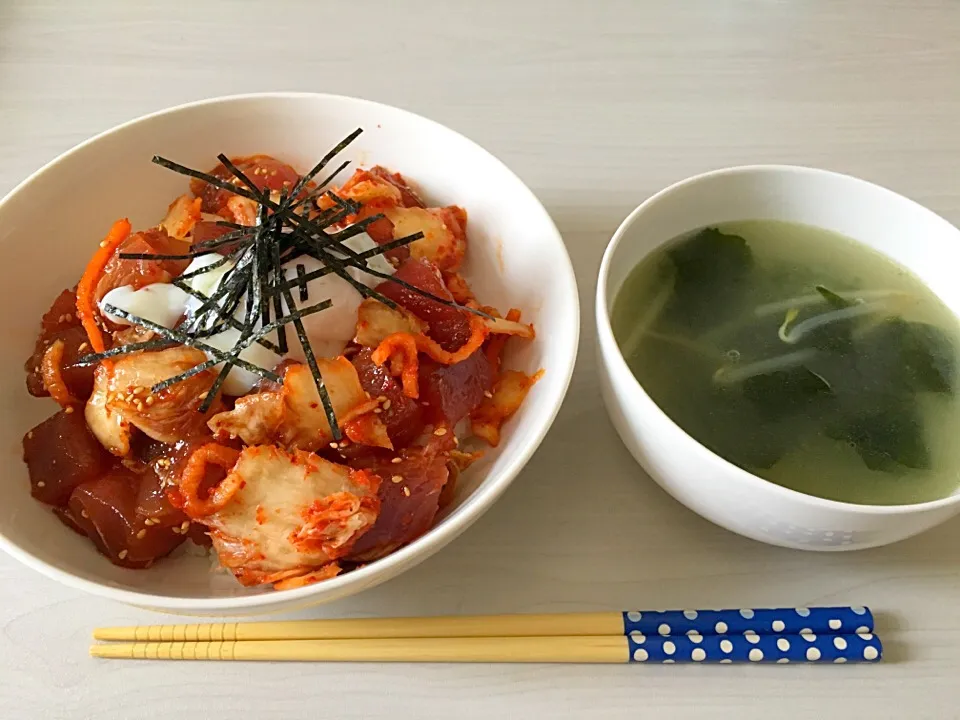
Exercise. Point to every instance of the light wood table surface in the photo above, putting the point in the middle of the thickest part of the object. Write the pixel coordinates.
(596, 106)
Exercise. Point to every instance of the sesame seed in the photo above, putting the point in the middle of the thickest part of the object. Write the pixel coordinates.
(440, 431)
(203, 396)
(103, 243)
(397, 478)
(487, 393)
(41, 484)
(30, 435)
(68, 410)
(381, 398)
(397, 460)
(142, 534)
(176, 530)
(83, 346)
(377, 411)
(122, 554)
(334, 445)
(184, 526)
(137, 390)
(83, 514)
(387, 404)
(150, 400)
(68, 317)
(406, 491)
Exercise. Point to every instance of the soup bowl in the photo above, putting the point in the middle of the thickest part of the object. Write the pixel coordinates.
(729, 496)
(51, 222)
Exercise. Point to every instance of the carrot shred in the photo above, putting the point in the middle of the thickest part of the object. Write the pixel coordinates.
(50, 370)
(87, 287)
(401, 348)
(478, 333)
(194, 473)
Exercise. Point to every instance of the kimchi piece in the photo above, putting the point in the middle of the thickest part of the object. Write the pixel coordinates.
(286, 372)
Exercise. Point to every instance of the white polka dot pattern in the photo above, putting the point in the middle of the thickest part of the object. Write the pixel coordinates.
(786, 621)
(752, 635)
(761, 649)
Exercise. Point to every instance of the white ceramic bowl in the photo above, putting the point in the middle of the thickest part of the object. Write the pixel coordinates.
(719, 491)
(52, 222)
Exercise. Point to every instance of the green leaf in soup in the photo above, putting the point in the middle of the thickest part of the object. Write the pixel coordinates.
(783, 393)
(732, 427)
(888, 438)
(914, 356)
(710, 273)
(837, 301)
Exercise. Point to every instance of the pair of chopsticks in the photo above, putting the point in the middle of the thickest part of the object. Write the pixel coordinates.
(787, 635)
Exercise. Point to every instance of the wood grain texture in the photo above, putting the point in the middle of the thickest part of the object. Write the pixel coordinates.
(596, 106)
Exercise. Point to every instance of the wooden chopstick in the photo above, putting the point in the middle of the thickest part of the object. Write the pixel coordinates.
(833, 620)
(558, 649)
(374, 628)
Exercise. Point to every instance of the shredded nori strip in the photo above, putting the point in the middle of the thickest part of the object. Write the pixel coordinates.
(188, 340)
(302, 282)
(283, 233)
(94, 358)
(339, 148)
(261, 235)
(242, 345)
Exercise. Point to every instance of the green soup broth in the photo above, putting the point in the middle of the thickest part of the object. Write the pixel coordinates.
(801, 356)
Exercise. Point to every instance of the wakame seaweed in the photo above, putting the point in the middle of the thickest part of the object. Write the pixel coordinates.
(761, 379)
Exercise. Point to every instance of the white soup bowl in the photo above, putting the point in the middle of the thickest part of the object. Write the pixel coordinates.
(733, 498)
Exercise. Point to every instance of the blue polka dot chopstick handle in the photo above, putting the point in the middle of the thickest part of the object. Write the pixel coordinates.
(809, 648)
(759, 621)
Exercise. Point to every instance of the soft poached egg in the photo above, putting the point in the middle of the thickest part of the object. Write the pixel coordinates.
(329, 331)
